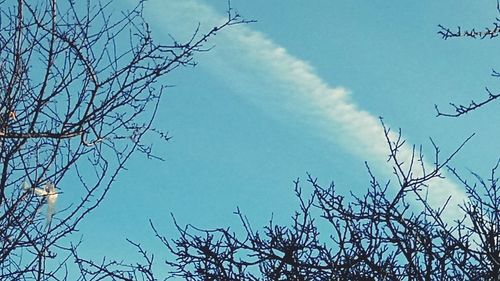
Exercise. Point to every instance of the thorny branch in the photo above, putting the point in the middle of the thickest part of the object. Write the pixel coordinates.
(486, 33)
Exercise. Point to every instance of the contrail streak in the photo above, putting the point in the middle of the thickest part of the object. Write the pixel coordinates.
(264, 73)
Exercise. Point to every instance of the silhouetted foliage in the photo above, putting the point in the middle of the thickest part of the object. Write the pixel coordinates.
(78, 91)
(382, 235)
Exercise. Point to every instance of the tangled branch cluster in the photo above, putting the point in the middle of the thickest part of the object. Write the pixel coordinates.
(381, 235)
(78, 91)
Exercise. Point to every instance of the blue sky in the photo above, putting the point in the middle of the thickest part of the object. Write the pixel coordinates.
(298, 91)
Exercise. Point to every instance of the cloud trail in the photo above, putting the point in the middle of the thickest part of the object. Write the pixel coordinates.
(264, 73)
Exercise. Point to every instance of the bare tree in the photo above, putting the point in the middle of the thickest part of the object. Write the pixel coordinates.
(79, 89)
(381, 235)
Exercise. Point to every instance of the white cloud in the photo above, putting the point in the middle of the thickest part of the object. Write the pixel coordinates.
(264, 73)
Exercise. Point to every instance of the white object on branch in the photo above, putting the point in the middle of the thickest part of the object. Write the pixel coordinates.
(49, 193)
